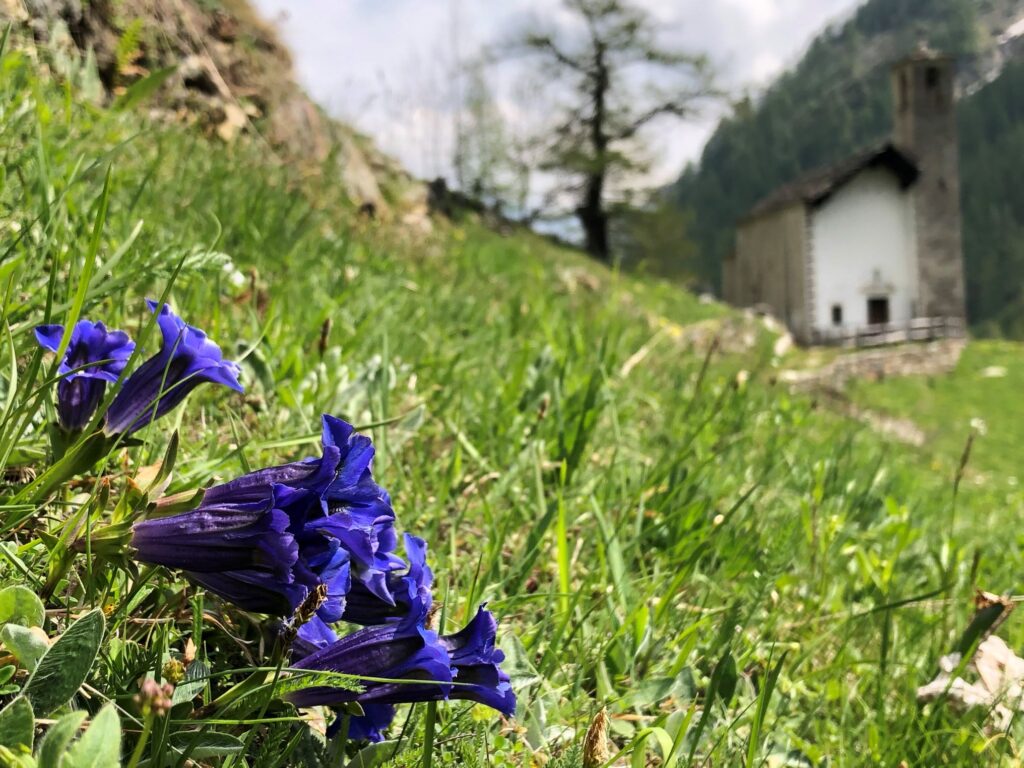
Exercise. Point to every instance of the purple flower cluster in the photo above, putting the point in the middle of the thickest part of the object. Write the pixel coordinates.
(312, 541)
(274, 539)
(95, 356)
(316, 539)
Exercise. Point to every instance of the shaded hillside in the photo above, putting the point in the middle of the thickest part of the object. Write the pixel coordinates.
(992, 166)
(836, 100)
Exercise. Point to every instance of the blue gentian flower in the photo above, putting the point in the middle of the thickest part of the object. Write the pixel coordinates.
(334, 535)
(352, 509)
(403, 650)
(187, 358)
(80, 391)
(410, 591)
(476, 664)
(242, 551)
(253, 553)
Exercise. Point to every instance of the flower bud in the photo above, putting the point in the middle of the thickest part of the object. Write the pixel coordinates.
(595, 743)
(154, 698)
(173, 671)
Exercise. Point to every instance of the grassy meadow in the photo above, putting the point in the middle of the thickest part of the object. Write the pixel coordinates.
(737, 575)
(986, 386)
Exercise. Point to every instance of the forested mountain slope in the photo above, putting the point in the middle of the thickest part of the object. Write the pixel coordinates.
(837, 99)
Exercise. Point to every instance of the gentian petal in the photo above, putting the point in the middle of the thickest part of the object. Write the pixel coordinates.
(359, 511)
(394, 651)
(253, 590)
(242, 552)
(477, 664)
(311, 637)
(94, 356)
(369, 726)
(187, 358)
(49, 336)
(219, 539)
(410, 590)
(310, 474)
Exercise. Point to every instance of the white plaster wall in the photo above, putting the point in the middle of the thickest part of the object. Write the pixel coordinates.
(867, 225)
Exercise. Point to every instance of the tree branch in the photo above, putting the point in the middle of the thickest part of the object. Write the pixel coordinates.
(542, 43)
(681, 108)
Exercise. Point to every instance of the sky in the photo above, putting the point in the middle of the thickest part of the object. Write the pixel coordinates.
(386, 65)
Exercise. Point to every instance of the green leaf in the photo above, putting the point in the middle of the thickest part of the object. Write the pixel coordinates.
(723, 680)
(100, 746)
(167, 465)
(88, 266)
(639, 756)
(727, 680)
(373, 755)
(17, 724)
(649, 692)
(753, 743)
(301, 679)
(66, 664)
(20, 605)
(57, 739)
(27, 646)
(8, 267)
(196, 677)
(200, 744)
(142, 89)
(252, 693)
(12, 382)
(81, 457)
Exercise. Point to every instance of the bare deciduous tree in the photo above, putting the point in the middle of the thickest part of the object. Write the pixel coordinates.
(619, 78)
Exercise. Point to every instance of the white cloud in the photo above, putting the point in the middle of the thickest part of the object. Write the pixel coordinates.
(766, 66)
(757, 12)
(386, 64)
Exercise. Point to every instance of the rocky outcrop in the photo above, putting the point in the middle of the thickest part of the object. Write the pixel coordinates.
(231, 77)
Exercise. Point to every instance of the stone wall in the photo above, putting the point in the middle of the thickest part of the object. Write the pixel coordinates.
(932, 359)
(769, 269)
(925, 125)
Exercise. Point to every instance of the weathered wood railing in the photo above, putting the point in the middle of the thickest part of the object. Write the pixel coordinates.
(917, 329)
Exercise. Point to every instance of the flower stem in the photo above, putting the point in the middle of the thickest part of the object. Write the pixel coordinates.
(428, 734)
(140, 746)
(80, 458)
(339, 747)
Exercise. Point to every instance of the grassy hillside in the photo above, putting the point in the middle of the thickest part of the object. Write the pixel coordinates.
(983, 389)
(736, 575)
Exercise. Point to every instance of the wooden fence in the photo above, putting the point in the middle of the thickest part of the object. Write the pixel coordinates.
(918, 329)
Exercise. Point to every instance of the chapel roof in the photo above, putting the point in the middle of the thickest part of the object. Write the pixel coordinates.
(815, 187)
